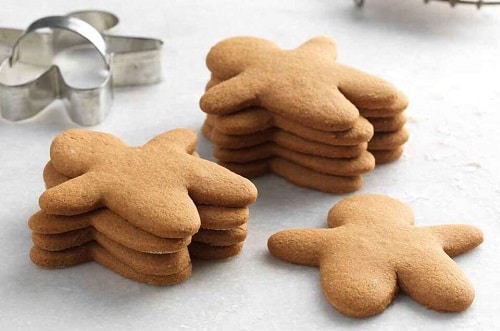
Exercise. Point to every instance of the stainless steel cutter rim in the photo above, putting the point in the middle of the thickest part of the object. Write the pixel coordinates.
(67, 23)
(85, 106)
(99, 19)
(131, 61)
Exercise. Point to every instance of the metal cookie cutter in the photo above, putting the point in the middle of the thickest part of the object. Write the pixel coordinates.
(129, 61)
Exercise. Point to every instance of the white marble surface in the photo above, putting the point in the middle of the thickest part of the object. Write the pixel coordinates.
(446, 60)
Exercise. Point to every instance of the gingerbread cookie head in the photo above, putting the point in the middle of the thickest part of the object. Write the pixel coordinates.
(368, 209)
(154, 187)
(373, 250)
(231, 56)
(305, 84)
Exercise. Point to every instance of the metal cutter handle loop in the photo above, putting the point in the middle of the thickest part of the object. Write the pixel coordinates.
(68, 23)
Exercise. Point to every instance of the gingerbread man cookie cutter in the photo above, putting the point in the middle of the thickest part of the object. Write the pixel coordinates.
(129, 61)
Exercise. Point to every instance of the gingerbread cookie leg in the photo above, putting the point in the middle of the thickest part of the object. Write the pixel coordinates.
(219, 218)
(208, 187)
(387, 156)
(202, 251)
(441, 285)
(311, 179)
(244, 122)
(355, 291)
(388, 140)
(221, 237)
(388, 124)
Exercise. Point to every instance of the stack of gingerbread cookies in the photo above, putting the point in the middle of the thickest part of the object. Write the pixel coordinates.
(299, 114)
(143, 212)
(390, 133)
(329, 161)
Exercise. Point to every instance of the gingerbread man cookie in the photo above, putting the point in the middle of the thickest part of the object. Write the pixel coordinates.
(305, 85)
(154, 187)
(372, 249)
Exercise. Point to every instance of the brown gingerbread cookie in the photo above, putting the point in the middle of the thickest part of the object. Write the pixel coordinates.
(381, 113)
(69, 231)
(388, 155)
(314, 140)
(305, 85)
(269, 149)
(201, 251)
(47, 234)
(361, 132)
(388, 140)
(388, 124)
(226, 237)
(255, 120)
(297, 175)
(152, 186)
(143, 263)
(94, 252)
(104, 220)
(329, 166)
(372, 249)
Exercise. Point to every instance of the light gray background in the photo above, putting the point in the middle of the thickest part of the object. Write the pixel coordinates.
(446, 60)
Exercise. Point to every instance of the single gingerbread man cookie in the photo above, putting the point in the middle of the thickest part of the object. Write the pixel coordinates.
(305, 85)
(372, 249)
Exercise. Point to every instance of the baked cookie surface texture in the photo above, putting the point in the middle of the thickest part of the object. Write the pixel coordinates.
(300, 114)
(137, 210)
(372, 249)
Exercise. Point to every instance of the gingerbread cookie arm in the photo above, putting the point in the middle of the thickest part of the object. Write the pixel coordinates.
(211, 184)
(301, 246)
(43, 223)
(435, 280)
(76, 196)
(355, 286)
(73, 151)
(211, 83)
(185, 139)
(244, 122)
(369, 92)
(51, 177)
(456, 239)
(232, 95)
(319, 45)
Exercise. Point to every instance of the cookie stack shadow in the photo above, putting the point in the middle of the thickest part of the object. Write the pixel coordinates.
(135, 252)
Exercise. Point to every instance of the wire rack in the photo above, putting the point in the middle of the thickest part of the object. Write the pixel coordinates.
(477, 3)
